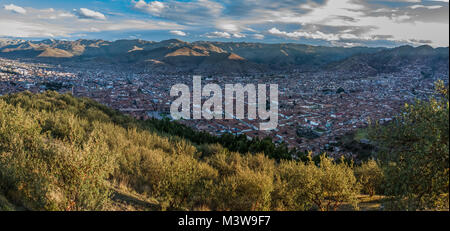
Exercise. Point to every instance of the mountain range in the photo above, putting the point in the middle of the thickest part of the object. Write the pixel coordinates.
(228, 57)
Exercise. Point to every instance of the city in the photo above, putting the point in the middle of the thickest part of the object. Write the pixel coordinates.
(314, 108)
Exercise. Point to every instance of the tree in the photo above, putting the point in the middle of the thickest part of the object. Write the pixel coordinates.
(334, 184)
(370, 177)
(414, 154)
(303, 186)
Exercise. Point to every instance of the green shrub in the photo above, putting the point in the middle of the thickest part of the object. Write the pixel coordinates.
(334, 184)
(306, 186)
(292, 183)
(44, 173)
(179, 180)
(227, 163)
(245, 182)
(370, 177)
(246, 190)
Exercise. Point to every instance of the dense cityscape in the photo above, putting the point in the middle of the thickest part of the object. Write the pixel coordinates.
(315, 108)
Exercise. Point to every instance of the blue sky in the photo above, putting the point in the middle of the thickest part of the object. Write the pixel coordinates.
(317, 22)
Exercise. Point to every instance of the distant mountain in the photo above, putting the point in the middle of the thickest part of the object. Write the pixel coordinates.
(299, 56)
(397, 59)
(7, 42)
(168, 56)
(55, 53)
(219, 57)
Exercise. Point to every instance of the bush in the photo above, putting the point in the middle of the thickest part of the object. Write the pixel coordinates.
(246, 190)
(227, 163)
(292, 183)
(244, 182)
(304, 186)
(333, 184)
(173, 176)
(370, 177)
(44, 173)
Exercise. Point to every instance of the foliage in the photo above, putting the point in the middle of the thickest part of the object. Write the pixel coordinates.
(326, 186)
(292, 183)
(246, 190)
(92, 111)
(58, 152)
(414, 154)
(44, 173)
(333, 184)
(370, 177)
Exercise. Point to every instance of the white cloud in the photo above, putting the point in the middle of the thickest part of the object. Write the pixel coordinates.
(371, 22)
(84, 13)
(407, 31)
(239, 35)
(14, 28)
(198, 12)
(258, 36)
(426, 7)
(36, 24)
(344, 38)
(15, 9)
(345, 44)
(304, 34)
(229, 27)
(65, 15)
(49, 10)
(139, 25)
(178, 33)
(155, 7)
(50, 14)
(223, 34)
(218, 34)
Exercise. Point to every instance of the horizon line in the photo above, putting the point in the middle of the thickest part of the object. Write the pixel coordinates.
(215, 41)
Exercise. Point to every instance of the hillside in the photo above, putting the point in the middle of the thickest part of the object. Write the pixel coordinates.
(168, 56)
(397, 60)
(62, 153)
(58, 152)
(290, 55)
(220, 57)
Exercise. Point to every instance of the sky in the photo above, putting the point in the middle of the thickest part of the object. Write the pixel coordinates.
(346, 23)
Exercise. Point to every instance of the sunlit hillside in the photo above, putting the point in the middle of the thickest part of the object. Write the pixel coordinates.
(58, 152)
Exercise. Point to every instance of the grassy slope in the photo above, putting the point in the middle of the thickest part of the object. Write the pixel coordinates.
(123, 196)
